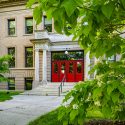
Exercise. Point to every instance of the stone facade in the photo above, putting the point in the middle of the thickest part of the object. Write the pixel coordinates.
(43, 44)
(20, 40)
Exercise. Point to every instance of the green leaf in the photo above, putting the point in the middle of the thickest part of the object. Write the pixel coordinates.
(73, 114)
(49, 12)
(115, 97)
(108, 9)
(30, 3)
(122, 89)
(65, 122)
(70, 6)
(97, 92)
(123, 3)
(59, 19)
(79, 2)
(58, 27)
(37, 14)
(106, 110)
(80, 121)
(110, 88)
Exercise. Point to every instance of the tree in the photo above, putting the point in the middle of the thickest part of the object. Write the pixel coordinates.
(97, 24)
(4, 67)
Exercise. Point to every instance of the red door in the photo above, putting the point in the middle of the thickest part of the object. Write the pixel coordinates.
(79, 71)
(72, 69)
(55, 71)
(62, 70)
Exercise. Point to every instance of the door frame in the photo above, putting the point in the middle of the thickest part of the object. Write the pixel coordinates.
(69, 51)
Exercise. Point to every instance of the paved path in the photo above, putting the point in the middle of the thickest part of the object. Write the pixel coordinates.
(23, 108)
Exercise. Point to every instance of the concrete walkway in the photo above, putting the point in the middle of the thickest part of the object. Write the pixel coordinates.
(23, 108)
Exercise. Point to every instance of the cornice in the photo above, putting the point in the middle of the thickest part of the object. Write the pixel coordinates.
(11, 3)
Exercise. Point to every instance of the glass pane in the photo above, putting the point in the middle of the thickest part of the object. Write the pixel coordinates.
(71, 68)
(112, 58)
(11, 84)
(63, 68)
(11, 31)
(29, 57)
(72, 55)
(29, 22)
(79, 67)
(48, 21)
(55, 68)
(28, 83)
(48, 27)
(47, 24)
(29, 29)
(11, 23)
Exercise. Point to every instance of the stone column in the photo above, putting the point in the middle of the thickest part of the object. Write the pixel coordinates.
(37, 65)
(87, 66)
(44, 65)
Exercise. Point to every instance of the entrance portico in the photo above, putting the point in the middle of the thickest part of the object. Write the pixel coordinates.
(44, 45)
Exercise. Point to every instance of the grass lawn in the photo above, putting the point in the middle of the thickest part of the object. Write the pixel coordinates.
(7, 95)
(47, 119)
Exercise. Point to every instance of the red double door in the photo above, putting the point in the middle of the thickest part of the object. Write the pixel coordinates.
(73, 70)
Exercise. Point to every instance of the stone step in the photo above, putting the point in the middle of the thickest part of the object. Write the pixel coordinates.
(44, 93)
(50, 89)
(64, 87)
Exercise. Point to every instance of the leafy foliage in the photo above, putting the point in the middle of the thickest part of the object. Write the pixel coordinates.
(101, 98)
(96, 24)
(7, 95)
(4, 67)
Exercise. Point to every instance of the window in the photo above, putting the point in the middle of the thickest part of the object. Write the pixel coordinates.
(112, 58)
(68, 55)
(47, 24)
(28, 83)
(29, 25)
(11, 52)
(11, 83)
(29, 57)
(11, 27)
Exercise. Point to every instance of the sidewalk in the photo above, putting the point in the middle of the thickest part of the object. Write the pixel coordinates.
(23, 108)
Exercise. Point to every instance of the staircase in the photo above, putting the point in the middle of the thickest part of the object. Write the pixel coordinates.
(50, 89)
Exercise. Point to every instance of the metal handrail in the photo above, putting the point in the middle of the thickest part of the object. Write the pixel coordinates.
(61, 85)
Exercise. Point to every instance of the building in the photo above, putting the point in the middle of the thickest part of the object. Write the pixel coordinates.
(39, 54)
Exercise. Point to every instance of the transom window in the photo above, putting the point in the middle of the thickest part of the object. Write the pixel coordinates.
(71, 55)
(11, 26)
(29, 57)
(47, 24)
(29, 25)
(11, 52)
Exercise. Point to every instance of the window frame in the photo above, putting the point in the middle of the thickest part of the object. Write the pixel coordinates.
(8, 26)
(26, 56)
(26, 31)
(44, 18)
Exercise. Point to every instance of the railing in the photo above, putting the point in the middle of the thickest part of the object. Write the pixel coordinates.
(61, 85)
